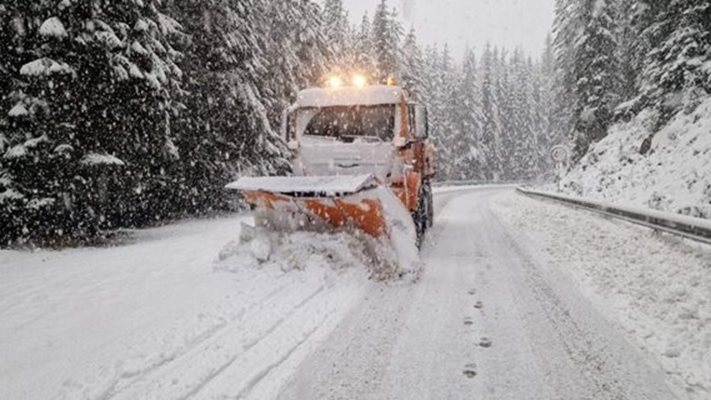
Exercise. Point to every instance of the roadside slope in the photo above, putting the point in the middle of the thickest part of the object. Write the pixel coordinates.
(668, 170)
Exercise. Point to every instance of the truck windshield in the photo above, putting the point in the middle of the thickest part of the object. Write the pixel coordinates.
(349, 123)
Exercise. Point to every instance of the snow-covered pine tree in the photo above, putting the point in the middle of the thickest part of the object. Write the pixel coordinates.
(295, 55)
(468, 157)
(442, 111)
(565, 29)
(364, 50)
(335, 24)
(640, 30)
(311, 45)
(386, 41)
(430, 95)
(398, 35)
(429, 74)
(596, 71)
(491, 124)
(86, 115)
(504, 96)
(678, 72)
(412, 64)
(337, 34)
(629, 47)
(541, 101)
(225, 127)
(523, 154)
(539, 158)
(546, 102)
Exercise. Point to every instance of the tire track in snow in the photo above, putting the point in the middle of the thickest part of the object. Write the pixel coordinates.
(266, 367)
(129, 378)
(204, 362)
(269, 368)
(212, 376)
(209, 345)
(356, 351)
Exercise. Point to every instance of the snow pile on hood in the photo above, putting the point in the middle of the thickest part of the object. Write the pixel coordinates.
(301, 250)
(673, 176)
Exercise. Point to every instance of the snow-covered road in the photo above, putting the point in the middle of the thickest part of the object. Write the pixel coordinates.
(495, 315)
(485, 322)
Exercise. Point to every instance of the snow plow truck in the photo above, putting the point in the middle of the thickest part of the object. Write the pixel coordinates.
(361, 162)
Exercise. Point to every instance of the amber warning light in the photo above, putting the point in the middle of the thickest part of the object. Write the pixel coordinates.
(358, 81)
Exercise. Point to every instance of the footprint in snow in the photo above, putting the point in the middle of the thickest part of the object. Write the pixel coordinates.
(468, 322)
(485, 342)
(472, 292)
(469, 371)
(479, 305)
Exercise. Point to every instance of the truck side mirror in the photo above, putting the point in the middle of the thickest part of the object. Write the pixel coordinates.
(421, 123)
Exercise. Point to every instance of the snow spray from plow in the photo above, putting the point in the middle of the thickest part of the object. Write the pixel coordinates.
(356, 204)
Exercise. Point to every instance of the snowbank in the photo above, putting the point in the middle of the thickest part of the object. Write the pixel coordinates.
(655, 289)
(673, 176)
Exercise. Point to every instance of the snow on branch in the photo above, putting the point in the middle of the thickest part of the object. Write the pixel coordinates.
(10, 194)
(45, 67)
(53, 27)
(96, 159)
(18, 111)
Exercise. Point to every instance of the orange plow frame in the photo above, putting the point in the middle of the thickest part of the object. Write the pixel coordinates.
(354, 210)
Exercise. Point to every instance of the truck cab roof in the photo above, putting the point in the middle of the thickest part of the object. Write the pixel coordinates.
(350, 96)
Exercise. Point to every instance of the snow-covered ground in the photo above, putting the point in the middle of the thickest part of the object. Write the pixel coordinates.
(519, 299)
(674, 176)
(654, 287)
(488, 320)
(170, 316)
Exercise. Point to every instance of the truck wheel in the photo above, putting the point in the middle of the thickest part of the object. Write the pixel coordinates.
(421, 216)
(420, 226)
(430, 204)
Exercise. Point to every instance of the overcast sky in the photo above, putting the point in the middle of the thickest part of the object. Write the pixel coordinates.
(506, 23)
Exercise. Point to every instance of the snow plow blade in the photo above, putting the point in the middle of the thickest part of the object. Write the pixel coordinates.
(325, 204)
(287, 203)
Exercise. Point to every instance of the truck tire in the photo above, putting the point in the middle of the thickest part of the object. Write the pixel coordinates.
(430, 204)
(423, 215)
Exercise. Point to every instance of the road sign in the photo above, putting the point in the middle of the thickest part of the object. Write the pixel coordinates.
(560, 154)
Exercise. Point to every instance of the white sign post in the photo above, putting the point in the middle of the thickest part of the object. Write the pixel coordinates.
(560, 155)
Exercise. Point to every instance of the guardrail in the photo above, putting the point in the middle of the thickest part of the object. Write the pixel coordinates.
(480, 183)
(692, 228)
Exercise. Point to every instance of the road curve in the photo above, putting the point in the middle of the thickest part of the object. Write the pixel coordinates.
(486, 321)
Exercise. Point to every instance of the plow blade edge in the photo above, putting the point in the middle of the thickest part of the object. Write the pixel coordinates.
(320, 203)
